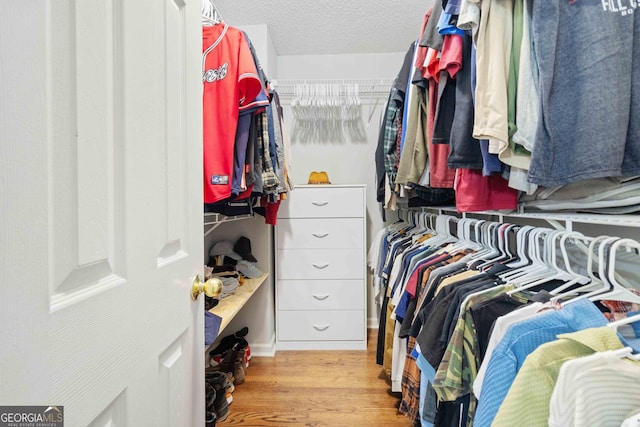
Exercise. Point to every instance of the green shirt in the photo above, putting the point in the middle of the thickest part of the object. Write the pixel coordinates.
(527, 403)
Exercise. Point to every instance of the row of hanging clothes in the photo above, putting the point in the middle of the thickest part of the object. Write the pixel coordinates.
(496, 324)
(245, 144)
(493, 108)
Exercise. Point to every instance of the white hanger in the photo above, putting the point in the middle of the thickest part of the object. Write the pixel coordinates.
(624, 321)
(627, 351)
(624, 352)
(611, 287)
(607, 270)
(596, 281)
(531, 262)
(479, 236)
(209, 13)
(521, 248)
(542, 268)
(499, 246)
(577, 278)
(553, 271)
(464, 237)
(442, 232)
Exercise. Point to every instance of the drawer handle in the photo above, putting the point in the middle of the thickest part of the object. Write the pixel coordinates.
(320, 203)
(320, 235)
(321, 328)
(321, 297)
(320, 266)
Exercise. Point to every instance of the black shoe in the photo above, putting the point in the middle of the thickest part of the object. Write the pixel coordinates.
(210, 420)
(210, 408)
(218, 381)
(229, 341)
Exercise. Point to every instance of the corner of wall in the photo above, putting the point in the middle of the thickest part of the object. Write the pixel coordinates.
(263, 44)
(373, 323)
(266, 349)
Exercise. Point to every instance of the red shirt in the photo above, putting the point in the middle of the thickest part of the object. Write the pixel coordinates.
(231, 82)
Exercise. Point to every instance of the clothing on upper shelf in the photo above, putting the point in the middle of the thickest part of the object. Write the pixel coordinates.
(465, 317)
(498, 90)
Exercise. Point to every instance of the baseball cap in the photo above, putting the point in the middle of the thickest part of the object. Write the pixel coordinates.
(229, 286)
(243, 248)
(224, 247)
(248, 269)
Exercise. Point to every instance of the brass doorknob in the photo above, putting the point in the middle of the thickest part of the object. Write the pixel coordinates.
(211, 288)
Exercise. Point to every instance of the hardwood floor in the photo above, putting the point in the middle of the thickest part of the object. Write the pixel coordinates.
(316, 388)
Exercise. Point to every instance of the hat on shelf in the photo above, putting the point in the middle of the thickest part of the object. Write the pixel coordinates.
(248, 269)
(225, 270)
(319, 178)
(243, 249)
(225, 248)
(229, 286)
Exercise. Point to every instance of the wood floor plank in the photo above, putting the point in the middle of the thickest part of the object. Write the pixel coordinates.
(316, 389)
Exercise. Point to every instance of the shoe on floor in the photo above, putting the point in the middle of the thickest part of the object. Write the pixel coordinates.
(218, 380)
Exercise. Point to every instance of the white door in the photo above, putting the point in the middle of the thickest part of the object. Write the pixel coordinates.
(101, 210)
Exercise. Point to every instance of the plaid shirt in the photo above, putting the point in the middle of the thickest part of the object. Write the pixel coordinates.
(392, 129)
(269, 178)
(410, 404)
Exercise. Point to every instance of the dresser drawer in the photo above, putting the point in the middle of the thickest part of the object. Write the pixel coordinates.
(323, 202)
(320, 264)
(332, 233)
(339, 325)
(320, 294)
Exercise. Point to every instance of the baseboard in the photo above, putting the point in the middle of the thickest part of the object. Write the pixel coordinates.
(373, 323)
(264, 349)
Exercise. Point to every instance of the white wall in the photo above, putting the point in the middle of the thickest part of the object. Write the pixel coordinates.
(353, 66)
(346, 162)
(262, 43)
(259, 312)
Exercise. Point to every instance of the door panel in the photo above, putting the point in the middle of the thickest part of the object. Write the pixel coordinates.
(173, 165)
(103, 235)
(114, 415)
(85, 84)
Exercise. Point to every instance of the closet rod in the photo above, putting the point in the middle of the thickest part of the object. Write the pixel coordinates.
(287, 87)
(619, 220)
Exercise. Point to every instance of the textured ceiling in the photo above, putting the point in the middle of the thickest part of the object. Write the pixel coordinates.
(300, 27)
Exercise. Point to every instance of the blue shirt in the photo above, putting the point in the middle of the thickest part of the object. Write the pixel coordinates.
(427, 376)
(519, 341)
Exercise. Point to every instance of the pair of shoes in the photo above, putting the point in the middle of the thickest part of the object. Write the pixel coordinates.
(233, 361)
(239, 368)
(216, 394)
(210, 420)
(229, 341)
(210, 408)
(229, 387)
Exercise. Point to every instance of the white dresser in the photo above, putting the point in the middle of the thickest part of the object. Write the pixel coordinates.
(320, 269)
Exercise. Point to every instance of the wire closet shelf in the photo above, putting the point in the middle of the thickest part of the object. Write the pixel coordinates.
(365, 88)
